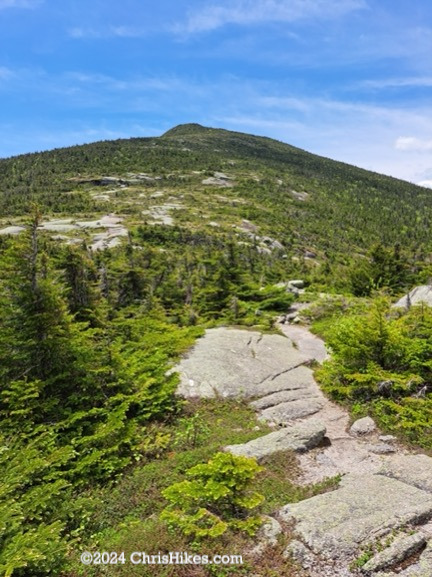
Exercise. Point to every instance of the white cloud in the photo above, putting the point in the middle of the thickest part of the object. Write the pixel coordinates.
(247, 12)
(425, 183)
(108, 32)
(19, 3)
(354, 132)
(412, 143)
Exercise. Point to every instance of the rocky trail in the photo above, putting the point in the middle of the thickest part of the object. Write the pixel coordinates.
(377, 522)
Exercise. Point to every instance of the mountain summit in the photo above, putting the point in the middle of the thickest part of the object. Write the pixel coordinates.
(307, 203)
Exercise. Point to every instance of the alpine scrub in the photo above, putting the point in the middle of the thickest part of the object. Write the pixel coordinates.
(216, 496)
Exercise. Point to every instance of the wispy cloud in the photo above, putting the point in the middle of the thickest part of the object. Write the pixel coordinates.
(358, 133)
(412, 143)
(249, 12)
(108, 32)
(19, 4)
(403, 82)
(119, 84)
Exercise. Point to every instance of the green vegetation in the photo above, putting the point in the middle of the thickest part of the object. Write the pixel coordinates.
(216, 496)
(307, 203)
(86, 344)
(95, 448)
(381, 363)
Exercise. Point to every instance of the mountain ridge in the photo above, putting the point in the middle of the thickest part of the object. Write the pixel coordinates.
(304, 201)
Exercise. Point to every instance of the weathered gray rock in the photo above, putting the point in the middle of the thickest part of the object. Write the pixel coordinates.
(282, 397)
(283, 413)
(415, 470)
(238, 363)
(365, 507)
(307, 344)
(267, 534)
(296, 283)
(12, 230)
(298, 551)
(215, 181)
(388, 438)
(401, 548)
(363, 426)
(420, 294)
(299, 438)
(381, 448)
(422, 568)
(296, 378)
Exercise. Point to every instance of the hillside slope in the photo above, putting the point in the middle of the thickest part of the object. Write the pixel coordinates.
(306, 202)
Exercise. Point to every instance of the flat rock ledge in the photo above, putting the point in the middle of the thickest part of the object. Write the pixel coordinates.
(415, 470)
(299, 438)
(422, 568)
(231, 362)
(267, 369)
(399, 550)
(383, 500)
(364, 508)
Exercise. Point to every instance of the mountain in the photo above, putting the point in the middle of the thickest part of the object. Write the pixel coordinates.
(114, 258)
(310, 206)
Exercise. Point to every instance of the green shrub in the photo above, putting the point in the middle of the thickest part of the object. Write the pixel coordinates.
(216, 497)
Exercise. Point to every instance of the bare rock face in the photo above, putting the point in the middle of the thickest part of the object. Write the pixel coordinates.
(298, 551)
(385, 495)
(14, 230)
(420, 294)
(299, 284)
(365, 507)
(381, 448)
(299, 438)
(238, 363)
(415, 470)
(283, 413)
(267, 534)
(401, 548)
(363, 426)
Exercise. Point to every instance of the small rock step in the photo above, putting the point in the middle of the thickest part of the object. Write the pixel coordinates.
(283, 413)
(415, 470)
(401, 548)
(299, 438)
(295, 378)
(381, 448)
(281, 397)
(363, 508)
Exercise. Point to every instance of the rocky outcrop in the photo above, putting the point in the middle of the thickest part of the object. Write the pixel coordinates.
(415, 470)
(218, 179)
(384, 501)
(299, 438)
(240, 363)
(267, 535)
(401, 548)
(420, 294)
(363, 509)
(13, 230)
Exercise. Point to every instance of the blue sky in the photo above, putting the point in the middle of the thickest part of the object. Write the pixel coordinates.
(347, 79)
